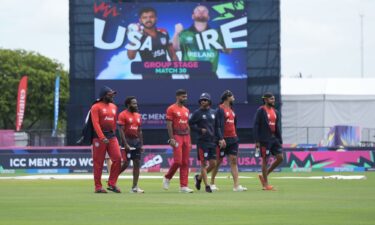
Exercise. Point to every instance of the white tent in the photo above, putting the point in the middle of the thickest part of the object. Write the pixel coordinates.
(311, 105)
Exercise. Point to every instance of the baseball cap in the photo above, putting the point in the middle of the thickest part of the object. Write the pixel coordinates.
(105, 90)
(205, 96)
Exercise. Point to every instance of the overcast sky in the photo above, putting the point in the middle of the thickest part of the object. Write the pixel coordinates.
(319, 38)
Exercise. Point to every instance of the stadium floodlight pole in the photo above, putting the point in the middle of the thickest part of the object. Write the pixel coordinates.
(362, 50)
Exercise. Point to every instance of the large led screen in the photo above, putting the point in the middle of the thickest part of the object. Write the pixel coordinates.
(151, 49)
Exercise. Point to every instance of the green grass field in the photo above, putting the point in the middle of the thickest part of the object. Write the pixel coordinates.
(42, 202)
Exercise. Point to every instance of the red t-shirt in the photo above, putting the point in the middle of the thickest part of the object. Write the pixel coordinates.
(229, 126)
(271, 115)
(131, 122)
(103, 116)
(179, 115)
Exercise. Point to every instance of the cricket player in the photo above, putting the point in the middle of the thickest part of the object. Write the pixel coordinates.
(179, 139)
(268, 137)
(228, 139)
(202, 121)
(103, 116)
(186, 41)
(130, 122)
(161, 45)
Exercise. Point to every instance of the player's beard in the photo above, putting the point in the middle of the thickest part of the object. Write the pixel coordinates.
(270, 104)
(108, 99)
(201, 19)
(133, 109)
(183, 102)
(149, 26)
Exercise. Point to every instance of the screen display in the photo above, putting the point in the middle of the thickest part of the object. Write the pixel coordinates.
(149, 50)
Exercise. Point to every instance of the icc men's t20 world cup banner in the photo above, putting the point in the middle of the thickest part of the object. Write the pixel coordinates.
(141, 47)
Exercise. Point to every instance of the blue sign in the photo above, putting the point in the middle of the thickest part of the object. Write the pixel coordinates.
(56, 105)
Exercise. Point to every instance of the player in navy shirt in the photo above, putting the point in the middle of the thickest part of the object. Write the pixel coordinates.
(202, 121)
(268, 137)
(226, 128)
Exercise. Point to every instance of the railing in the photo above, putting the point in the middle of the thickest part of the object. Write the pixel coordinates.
(314, 135)
(368, 137)
(368, 134)
(304, 135)
(44, 137)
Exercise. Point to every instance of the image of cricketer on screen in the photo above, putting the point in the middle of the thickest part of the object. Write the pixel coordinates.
(140, 34)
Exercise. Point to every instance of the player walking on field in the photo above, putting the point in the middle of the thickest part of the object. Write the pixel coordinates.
(267, 135)
(103, 116)
(202, 121)
(179, 139)
(130, 122)
(228, 139)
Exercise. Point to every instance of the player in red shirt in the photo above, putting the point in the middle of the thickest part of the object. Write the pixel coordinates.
(103, 116)
(226, 130)
(130, 122)
(179, 139)
(268, 137)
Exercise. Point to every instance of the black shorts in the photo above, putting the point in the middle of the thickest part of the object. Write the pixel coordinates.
(230, 149)
(206, 151)
(134, 154)
(273, 146)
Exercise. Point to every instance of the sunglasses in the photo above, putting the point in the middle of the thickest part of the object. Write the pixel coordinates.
(204, 100)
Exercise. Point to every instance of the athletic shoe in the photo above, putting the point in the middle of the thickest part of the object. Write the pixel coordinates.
(214, 187)
(114, 189)
(239, 188)
(269, 188)
(136, 190)
(261, 179)
(197, 182)
(166, 183)
(186, 190)
(208, 189)
(101, 191)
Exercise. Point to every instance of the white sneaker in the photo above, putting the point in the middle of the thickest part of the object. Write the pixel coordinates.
(136, 190)
(166, 183)
(186, 190)
(239, 188)
(213, 187)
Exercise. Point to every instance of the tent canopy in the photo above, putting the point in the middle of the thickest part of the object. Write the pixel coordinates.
(331, 88)
(311, 106)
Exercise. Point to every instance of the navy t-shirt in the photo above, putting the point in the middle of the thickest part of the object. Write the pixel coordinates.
(204, 118)
(160, 45)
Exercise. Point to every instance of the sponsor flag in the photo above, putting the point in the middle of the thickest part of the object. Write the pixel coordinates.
(21, 102)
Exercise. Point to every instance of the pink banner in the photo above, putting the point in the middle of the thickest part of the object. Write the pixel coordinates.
(21, 102)
(329, 159)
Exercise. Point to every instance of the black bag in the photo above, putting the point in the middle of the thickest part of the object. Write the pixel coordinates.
(88, 132)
